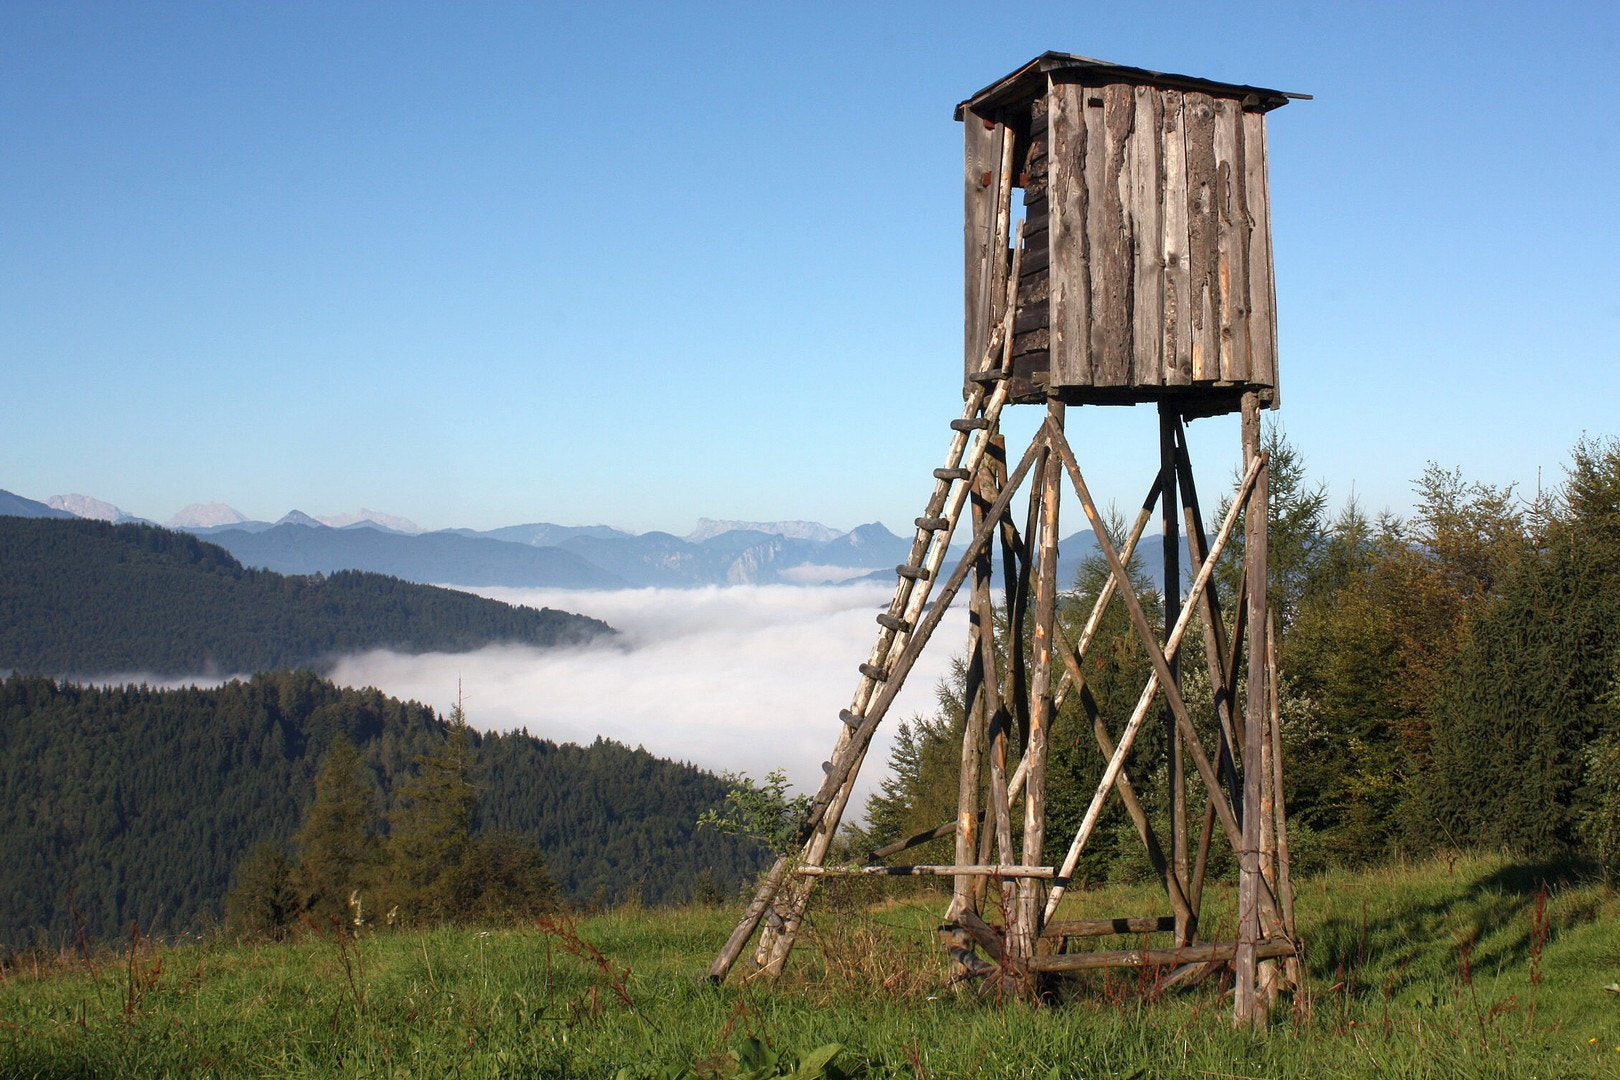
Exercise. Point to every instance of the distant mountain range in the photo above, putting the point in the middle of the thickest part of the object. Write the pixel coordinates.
(544, 555)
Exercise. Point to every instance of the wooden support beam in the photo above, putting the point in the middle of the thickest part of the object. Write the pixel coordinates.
(1187, 954)
(1209, 608)
(1128, 737)
(1070, 928)
(1031, 893)
(952, 870)
(1175, 778)
(1247, 1007)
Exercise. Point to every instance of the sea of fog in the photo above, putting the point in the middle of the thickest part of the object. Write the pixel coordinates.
(741, 678)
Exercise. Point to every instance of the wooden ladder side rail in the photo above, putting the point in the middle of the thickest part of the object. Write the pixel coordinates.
(773, 952)
(1144, 631)
(854, 742)
(911, 597)
(1128, 736)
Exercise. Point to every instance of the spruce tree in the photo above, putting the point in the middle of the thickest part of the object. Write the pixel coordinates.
(430, 836)
(337, 846)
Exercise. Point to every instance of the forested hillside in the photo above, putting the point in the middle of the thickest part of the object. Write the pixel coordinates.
(1448, 681)
(132, 804)
(84, 598)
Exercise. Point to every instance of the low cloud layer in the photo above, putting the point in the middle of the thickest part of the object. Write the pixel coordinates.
(747, 678)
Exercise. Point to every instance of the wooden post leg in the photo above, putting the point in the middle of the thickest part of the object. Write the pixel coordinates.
(982, 693)
(1032, 891)
(1175, 776)
(1248, 1010)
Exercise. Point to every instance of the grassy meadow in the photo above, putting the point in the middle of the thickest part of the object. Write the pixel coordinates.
(1476, 967)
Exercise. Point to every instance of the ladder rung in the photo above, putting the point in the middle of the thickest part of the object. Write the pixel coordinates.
(984, 378)
(890, 622)
(849, 718)
(826, 767)
(915, 573)
(951, 474)
(876, 674)
(976, 423)
(933, 524)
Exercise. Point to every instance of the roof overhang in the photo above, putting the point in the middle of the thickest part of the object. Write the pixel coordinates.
(1029, 82)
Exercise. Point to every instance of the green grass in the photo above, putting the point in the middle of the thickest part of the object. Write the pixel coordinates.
(1436, 970)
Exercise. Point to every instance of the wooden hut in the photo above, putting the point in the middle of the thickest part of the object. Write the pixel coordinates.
(1146, 272)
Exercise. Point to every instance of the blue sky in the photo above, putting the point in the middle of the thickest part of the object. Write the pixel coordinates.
(479, 264)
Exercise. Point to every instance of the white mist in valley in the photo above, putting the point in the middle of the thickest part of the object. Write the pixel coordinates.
(745, 678)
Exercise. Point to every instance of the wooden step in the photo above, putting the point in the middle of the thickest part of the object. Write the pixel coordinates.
(951, 474)
(876, 674)
(915, 573)
(976, 423)
(933, 524)
(891, 622)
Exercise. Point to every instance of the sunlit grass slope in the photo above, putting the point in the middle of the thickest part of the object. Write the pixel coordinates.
(1467, 969)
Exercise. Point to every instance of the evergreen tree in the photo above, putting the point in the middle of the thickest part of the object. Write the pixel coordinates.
(430, 844)
(338, 845)
(262, 903)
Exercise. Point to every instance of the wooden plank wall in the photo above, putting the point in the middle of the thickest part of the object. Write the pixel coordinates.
(1031, 335)
(981, 185)
(1154, 266)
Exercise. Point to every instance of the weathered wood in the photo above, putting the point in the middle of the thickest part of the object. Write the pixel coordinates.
(1186, 954)
(1001, 721)
(1111, 242)
(1170, 568)
(1070, 277)
(1072, 928)
(1146, 226)
(1262, 293)
(1203, 237)
(1232, 232)
(980, 693)
(938, 832)
(1015, 871)
(744, 929)
(1027, 926)
(1246, 1005)
(981, 195)
(1176, 345)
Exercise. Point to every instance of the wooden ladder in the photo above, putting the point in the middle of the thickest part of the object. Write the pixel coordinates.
(903, 628)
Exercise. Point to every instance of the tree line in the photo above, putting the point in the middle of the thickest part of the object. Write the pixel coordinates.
(91, 598)
(1448, 680)
(133, 804)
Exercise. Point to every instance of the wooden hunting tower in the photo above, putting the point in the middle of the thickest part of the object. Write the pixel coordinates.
(1141, 273)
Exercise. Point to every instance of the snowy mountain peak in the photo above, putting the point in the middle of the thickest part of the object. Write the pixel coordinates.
(204, 516)
(792, 530)
(298, 517)
(85, 507)
(364, 516)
